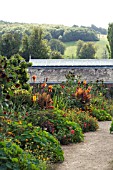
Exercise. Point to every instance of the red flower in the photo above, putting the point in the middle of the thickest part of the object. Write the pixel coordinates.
(72, 131)
(26, 113)
(62, 86)
(64, 115)
(50, 107)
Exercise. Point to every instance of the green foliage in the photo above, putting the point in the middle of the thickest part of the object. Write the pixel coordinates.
(14, 158)
(101, 115)
(57, 45)
(20, 66)
(9, 44)
(111, 127)
(110, 40)
(86, 50)
(33, 139)
(21, 99)
(56, 55)
(75, 34)
(80, 44)
(99, 29)
(56, 124)
(101, 49)
(37, 46)
(87, 122)
(24, 51)
(13, 76)
(83, 118)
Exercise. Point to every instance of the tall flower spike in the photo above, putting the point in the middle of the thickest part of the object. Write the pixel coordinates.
(34, 78)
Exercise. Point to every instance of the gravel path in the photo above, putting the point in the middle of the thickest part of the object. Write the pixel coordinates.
(95, 153)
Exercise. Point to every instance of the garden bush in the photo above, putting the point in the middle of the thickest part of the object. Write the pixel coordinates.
(101, 115)
(53, 122)
(33, 139)
(83, 118)
(111, 127)
(87, 123)
(12, 157)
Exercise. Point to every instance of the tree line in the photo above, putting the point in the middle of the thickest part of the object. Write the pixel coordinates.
(60, 32)
(37, 42)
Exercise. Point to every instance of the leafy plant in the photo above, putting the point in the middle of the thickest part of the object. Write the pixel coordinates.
(111, 127)
(14, 158)
(58, 126)
(101, 115)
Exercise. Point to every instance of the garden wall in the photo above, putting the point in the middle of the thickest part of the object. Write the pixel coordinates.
(57, 74)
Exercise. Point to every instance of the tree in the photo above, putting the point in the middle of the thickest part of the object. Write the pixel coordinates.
(9, 44)
(110, 40)
(38, 47)
(79, 46)
(24, 51)
(87, 51)
(56, 55)
(57, 45)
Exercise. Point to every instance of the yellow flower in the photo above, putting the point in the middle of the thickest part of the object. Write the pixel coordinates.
(44, 159)
(26, 140)
(34, 98)
(19, 122)
(84, 82)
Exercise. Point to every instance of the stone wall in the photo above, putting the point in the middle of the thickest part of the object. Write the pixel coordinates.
(57, 74)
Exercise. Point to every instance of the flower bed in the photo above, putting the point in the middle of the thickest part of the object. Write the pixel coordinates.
(36, 120)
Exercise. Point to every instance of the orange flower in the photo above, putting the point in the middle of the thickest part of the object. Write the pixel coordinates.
(10, 134)
(43, 85)
(34, 78)
(50, 88)
(87, 91)
(79, 92)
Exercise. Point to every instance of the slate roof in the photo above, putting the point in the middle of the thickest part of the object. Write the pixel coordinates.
(71, 62)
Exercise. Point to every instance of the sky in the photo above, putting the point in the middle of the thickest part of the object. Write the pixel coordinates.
(65, 12)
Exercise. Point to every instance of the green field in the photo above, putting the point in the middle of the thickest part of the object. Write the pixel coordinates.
(102, 52)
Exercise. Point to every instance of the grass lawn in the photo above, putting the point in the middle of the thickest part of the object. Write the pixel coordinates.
(71, 47)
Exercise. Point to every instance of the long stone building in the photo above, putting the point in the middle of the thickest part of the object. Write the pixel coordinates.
(56, 69)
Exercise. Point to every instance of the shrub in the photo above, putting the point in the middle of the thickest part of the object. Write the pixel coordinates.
(87, 122)
(33, 139)
(21, 98)
(64, 130)
(101, 115)
(111, 127)
(14, 158)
